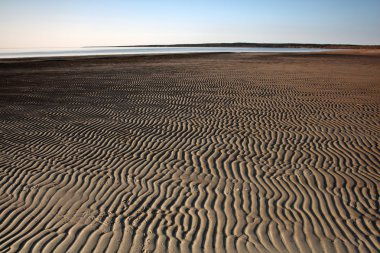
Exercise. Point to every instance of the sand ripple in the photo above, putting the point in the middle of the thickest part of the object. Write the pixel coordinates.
(214, 153)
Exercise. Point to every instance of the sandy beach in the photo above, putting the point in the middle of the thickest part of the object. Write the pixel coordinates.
(215, 152)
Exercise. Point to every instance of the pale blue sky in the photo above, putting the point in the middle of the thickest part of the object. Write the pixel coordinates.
(61, 23)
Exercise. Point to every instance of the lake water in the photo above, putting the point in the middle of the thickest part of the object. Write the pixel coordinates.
(48, 52)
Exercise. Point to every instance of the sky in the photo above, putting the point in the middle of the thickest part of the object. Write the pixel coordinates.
(74, 23)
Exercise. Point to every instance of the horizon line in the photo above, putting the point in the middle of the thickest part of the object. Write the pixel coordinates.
(221, 44)
(257, 44)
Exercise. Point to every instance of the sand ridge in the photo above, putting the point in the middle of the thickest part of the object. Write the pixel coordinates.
(190, 153)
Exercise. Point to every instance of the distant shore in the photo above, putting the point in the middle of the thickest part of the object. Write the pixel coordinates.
(262, 45)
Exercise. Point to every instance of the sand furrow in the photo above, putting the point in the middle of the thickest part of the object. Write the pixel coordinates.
(199, 153)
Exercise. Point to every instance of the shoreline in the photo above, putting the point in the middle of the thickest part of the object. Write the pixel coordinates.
(352, 52)
(117, 51)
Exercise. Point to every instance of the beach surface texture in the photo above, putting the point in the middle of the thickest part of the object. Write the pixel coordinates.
(219, 152)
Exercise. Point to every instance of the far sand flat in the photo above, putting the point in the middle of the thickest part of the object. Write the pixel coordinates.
(190, 153)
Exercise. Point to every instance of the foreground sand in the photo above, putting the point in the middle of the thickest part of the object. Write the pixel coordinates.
(200, 153)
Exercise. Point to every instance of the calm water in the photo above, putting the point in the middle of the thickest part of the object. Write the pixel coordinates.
(48, 52)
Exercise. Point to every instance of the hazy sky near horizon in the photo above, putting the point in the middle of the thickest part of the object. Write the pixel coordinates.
(66, 23)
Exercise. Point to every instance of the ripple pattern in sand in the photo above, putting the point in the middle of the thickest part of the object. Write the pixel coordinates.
(220, 153)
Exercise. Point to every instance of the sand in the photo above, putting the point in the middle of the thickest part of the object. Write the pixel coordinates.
(190, 153)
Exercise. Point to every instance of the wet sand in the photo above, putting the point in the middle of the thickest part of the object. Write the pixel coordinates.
(191, 153)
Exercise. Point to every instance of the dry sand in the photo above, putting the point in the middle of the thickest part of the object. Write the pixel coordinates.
(190, 153)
